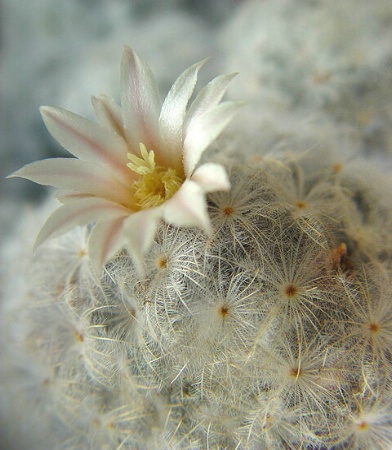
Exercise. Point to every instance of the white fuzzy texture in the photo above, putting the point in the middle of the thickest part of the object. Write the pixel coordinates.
(275, 332)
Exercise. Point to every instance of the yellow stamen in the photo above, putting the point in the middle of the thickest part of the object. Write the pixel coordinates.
(143, 165)
(157, 184)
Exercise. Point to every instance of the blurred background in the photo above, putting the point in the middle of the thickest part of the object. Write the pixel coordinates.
(296, 58)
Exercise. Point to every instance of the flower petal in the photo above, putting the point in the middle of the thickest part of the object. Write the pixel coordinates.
(188, 207)
(66, 195)
(79, 213)
(85, 139)
(105, 241)
(203, 130)
(140, 101)
(108, 114)
(139, 232)
(171, 119)
(209, 96)
(76, 175)
(211, 177)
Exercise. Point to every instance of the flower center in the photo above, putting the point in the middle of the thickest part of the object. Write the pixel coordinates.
(157, 184)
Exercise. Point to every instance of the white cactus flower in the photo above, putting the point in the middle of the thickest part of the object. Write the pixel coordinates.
(138, 165)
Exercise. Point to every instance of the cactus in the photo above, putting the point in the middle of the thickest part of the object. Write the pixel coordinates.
(273, 333)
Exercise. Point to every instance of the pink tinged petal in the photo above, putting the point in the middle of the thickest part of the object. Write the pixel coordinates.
(86, 139)
(139, 232)
(211, 177)
(203, 130)
(188, 207)
(75, 175)
(105, 241)
(140, 101)
(209, 96)
(79, 213)
(66, 196)
(173, 112)
(108, 114)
